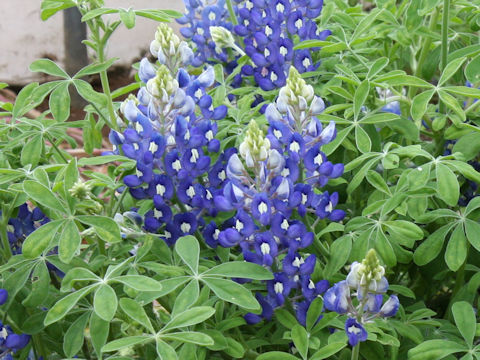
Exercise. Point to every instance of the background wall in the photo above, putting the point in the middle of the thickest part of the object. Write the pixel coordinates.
(24, 37)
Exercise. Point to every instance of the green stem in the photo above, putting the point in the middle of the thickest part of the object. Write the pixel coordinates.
(443, 63)
(106, 87)
(356, 352)
(56, 148)
(233, 18)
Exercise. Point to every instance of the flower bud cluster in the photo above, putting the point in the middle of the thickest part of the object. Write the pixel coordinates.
(169, 49)
(369, 283)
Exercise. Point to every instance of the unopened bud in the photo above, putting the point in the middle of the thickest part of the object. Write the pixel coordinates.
(255, 147)
(80, 190)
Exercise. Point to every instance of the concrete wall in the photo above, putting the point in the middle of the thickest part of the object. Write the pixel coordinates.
(24, 37)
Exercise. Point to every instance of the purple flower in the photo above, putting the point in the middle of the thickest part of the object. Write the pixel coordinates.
(355, 332)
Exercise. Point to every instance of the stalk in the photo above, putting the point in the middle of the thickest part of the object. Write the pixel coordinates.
(443, 63)
(356, 352)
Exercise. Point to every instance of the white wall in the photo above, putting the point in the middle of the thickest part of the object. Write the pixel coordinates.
(24, 37)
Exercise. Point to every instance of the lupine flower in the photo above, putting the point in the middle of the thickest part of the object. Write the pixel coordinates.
(367, 281)
(11, 342)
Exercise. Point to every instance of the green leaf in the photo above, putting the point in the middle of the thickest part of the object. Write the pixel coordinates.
(314, 312)
(32, 151)
(377, 66)
(468, 145)
(48, 67)
(451, 103)
(128, 17)
(190, 317)
(105, 302)
(106, 228)
(451, 68)
(464, 91)
(37, 241)
(276, 355)
(187, 297)
(285, 318)
(94, 68)
(232, 292)
(69, 242)
(472, 230)
(404, 228)
(377, 181)
(240, 269)
(77, 274)
(379, 118)
(300, 340)
(136, 312)
(328, 350)
(88, 93)
(165, 351)
(385, 249)
(472, 70)
(420, 104)
(465, 320)
(402, 290)
(364, 144)
(360, 96)
(64, 305)
(40, 286)
(188, 249)
(139, 282)
(42, 195)
(339, 254)
(73, 339)
(190, 337)
(60, 102)
(99, 330)
(447, 185)
(456, 251)
(406, 80)
(435, 350)
(125, 342)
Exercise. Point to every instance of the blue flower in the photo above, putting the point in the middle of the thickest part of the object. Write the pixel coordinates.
(355, 332)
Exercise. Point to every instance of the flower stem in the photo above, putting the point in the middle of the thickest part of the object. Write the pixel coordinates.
(233, 18)
(356, 352)
(443, 63)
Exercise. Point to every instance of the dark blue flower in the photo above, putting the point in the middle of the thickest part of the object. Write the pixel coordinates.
(355, 332)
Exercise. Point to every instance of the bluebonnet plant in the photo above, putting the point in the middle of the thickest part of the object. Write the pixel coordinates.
(366, 282)
(172, 142)
(268, 190)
